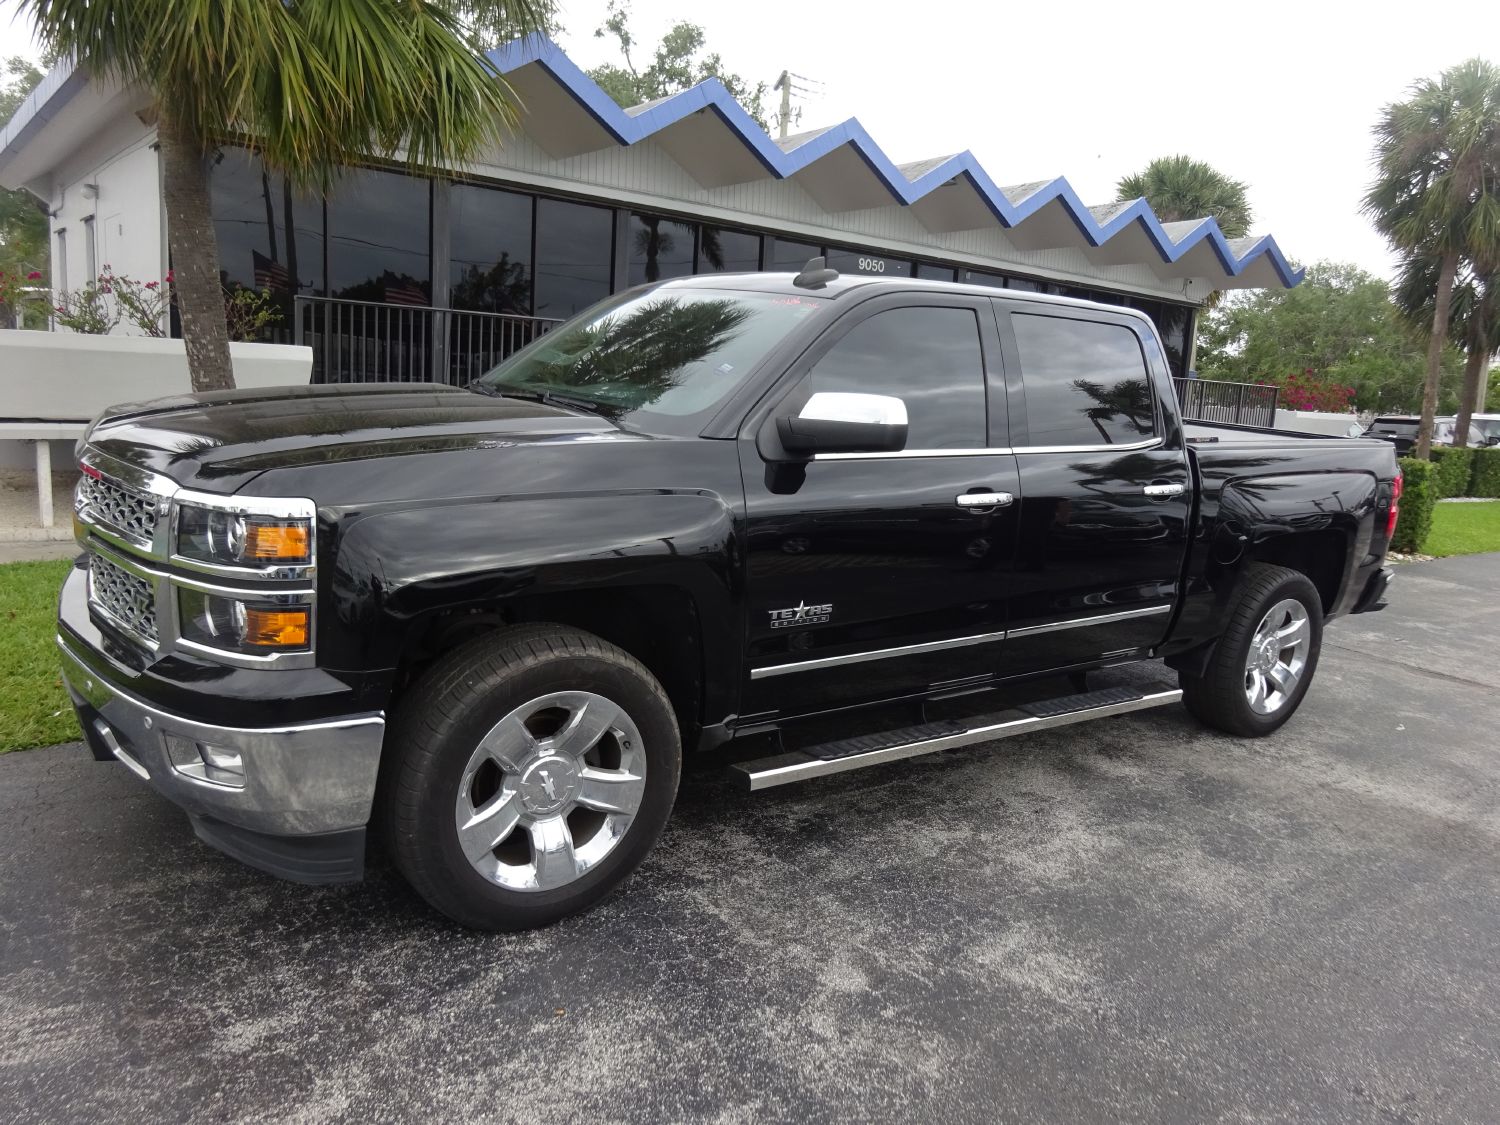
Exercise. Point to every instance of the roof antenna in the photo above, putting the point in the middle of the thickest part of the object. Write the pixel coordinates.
(815, 275)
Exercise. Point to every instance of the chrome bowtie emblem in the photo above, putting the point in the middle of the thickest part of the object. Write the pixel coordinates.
(548, 784)
(800, 614)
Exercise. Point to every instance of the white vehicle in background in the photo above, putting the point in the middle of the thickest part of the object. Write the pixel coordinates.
(1488, 426)
(1327, 423)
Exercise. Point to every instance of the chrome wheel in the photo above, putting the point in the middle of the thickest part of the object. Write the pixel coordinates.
(1278, 656)
(550, 791)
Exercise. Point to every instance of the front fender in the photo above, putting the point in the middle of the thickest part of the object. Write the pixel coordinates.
(393, 569)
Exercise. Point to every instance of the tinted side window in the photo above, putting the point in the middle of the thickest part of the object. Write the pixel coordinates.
(928, 357)
(1086, 383)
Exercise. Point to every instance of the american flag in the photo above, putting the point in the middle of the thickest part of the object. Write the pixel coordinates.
(269, 273)
(404, 291)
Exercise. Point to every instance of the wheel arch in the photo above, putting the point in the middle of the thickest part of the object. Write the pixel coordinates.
(660, 625)
(1318, 524)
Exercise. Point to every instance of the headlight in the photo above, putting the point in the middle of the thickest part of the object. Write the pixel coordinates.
(226, 538)
(253, 626)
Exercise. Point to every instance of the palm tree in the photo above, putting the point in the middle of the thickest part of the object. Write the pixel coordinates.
(1180, 188)
(315, 86)
(1473, 320)
(1437, 190)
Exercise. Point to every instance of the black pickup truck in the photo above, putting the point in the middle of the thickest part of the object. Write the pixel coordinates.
(788, 526)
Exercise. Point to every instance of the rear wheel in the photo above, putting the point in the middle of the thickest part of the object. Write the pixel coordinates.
(1264, 663)
(536, 769)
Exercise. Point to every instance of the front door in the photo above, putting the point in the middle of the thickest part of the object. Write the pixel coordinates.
(867, 576)
(1105, 488)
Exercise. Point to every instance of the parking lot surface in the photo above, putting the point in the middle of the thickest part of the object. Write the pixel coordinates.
(1128, 920)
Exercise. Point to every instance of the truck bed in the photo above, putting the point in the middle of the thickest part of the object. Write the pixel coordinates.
(1225, 433)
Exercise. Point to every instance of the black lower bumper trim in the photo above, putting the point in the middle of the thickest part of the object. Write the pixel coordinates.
(1374, 591)
(329, 857)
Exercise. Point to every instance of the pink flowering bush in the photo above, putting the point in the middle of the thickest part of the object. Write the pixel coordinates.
(103, 303)
(13, 286)
(1303, 390)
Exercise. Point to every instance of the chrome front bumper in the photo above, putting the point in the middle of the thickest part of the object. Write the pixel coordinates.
(304, 780)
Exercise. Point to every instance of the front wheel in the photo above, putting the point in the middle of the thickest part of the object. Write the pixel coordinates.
(536, 768)
(1264, 662)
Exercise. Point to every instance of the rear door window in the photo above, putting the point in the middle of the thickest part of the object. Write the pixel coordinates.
(1086, 382)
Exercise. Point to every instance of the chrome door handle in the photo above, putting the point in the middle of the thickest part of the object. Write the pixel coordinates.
(984, 499)
(1164, 490)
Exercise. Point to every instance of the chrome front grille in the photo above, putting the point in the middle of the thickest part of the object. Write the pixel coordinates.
(126, 599)
(129, 512)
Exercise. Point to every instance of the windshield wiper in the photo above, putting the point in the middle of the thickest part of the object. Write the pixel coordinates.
(553, 398)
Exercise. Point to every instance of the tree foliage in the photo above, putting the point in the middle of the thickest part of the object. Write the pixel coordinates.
(1436, 196)
(1339, 324)
(1181, 188)
(489, 24)
(23, 221)
(676, 64)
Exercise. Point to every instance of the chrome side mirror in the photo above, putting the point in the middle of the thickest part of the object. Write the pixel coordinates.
(845, 422)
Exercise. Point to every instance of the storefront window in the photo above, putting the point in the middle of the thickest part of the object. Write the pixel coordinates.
(489, 256)
(1175, 323)
(728, 251)
(659, 248)
(258, 247)
(979, 277)
(379, 246)
(575, 255)
(785, 256)
(930, 272)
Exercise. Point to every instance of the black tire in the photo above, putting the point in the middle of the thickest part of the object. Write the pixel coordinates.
(1219, 697)
(441, 722)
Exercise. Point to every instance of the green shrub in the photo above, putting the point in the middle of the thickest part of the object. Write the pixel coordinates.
(1485, 480)
(1418, 497)
(1451, 471)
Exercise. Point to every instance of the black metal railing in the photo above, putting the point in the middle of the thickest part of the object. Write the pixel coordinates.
(369, 342)
(1245, 404)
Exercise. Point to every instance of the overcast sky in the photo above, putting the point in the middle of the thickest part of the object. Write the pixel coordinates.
(1281, 95)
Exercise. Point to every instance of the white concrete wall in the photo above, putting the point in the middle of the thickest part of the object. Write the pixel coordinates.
(115, 179)
(19, 458)
(66, 376)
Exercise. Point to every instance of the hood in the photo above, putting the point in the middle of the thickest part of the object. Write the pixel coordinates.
(221, 438)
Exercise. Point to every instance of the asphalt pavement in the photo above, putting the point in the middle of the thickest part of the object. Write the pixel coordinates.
(1129, 920)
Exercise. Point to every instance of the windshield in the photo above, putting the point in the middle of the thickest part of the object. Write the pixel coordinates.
(1401, 427)
(667, 355)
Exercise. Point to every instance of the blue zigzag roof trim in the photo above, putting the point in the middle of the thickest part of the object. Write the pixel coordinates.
(627, 129)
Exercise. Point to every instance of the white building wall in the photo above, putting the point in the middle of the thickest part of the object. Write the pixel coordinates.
(114, 180)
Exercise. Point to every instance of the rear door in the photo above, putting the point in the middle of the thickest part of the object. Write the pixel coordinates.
(1106, 490)
(867, 577)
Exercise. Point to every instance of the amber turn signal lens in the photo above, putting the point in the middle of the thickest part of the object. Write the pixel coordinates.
(275, 628)
(285, 541)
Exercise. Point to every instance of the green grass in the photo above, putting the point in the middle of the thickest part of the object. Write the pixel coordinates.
(34, 708)
(1464, 529)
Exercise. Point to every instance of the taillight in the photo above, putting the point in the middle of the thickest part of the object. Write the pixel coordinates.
(1390, 520)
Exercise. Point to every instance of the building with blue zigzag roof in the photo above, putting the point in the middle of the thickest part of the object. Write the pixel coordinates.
(398, 276)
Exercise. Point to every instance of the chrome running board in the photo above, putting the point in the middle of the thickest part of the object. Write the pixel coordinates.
(873, 750)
